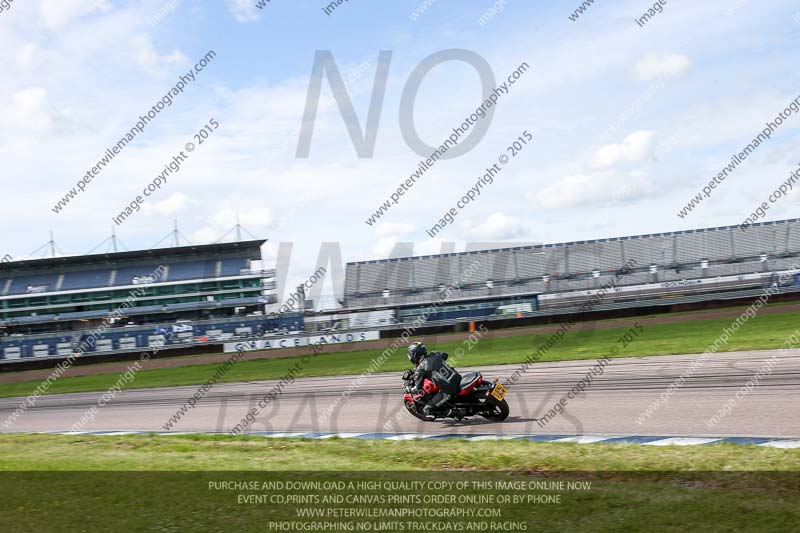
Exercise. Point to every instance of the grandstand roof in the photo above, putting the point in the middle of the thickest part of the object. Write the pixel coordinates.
(556, 245)
(251, 249)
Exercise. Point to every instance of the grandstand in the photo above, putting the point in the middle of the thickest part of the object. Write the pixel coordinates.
(694, 265)
(199, 293)
(216, 293)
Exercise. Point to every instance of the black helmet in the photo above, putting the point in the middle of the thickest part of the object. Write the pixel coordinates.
(416, 351)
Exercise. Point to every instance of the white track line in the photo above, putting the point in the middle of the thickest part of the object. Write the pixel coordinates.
(277, 435)
(583, 439)
(681, 441)
(782, 444)
(407, 437)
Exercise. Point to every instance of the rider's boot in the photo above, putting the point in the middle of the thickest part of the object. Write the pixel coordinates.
(458, 413)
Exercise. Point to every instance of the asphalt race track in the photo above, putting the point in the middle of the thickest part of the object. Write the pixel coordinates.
(611, 405)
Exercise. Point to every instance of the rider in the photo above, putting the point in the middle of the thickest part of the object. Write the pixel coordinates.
(433, 367)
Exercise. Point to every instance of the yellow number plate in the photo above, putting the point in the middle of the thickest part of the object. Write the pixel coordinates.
(499, 392)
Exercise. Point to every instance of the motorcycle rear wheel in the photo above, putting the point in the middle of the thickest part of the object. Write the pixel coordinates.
(499, 413)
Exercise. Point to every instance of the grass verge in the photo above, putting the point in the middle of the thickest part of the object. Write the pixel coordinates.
(765, 331)
(28, 452)
(197, 483)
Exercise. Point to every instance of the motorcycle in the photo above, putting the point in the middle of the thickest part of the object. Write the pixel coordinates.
(475, 397)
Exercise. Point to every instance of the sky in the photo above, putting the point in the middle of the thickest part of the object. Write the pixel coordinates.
(628, 123)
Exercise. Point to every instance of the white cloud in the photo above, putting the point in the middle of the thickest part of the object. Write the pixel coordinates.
(635, 148)
(57, 14)
(166, 9)
(260, 114)
(256, 217)
(391, 228)
(498, 226)
(243, 10)
(384, 247)
(593, 189)
(174, 204)
(655, 66)
(431, 247)
(253, 220)
(393, 246)
(146, 56)
(29, 55)
(205, 235)
(30, 112)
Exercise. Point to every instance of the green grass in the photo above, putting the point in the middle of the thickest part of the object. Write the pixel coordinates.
(174, 483)
(763, 332)
(30, 452)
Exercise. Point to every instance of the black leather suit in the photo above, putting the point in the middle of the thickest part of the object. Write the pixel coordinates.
(434, 368)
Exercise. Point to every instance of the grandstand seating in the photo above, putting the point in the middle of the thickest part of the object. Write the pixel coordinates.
(68, 295)
(232, 266)
(191, 270)
(570, 266)
(86, 280)
(138, 337)
(20, 285)
(140, 310)
(125, 275)
(111, 277)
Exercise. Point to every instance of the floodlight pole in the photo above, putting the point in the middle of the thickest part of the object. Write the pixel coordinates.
(114, 238)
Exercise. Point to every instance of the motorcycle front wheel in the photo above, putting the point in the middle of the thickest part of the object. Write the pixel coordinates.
(413, 408)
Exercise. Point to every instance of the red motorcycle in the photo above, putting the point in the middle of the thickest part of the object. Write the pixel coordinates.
(475, 397)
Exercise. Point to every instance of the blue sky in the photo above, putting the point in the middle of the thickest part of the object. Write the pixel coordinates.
(629, 123)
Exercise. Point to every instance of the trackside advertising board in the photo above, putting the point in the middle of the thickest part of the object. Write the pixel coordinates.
(299, 342)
